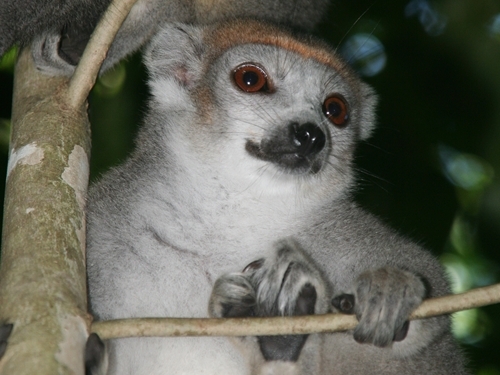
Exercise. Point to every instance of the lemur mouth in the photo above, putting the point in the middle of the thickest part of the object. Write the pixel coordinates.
(296, 149)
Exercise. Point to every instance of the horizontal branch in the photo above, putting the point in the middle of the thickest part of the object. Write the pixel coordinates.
(162, 327)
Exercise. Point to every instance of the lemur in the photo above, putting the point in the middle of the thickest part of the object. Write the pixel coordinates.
(237, 202)
(59, 30)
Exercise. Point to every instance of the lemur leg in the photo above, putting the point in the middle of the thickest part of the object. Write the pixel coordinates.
(45, 51)
(95, 351)
(96, 357)
(5, 331)
(284, 284)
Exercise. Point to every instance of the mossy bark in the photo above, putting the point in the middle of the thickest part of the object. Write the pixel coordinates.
(42, 271)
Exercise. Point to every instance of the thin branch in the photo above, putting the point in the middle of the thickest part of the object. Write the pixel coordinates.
(282, 325)
(87, 70)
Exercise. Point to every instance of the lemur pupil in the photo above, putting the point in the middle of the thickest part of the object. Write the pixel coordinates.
(250, 78)
(334, 109)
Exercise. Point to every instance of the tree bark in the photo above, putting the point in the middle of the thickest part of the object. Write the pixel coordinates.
(42, 274)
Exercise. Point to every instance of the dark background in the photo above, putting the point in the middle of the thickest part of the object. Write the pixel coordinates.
(431, 169)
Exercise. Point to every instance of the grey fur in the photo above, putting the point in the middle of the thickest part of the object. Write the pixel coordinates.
(203, 195)
(60, 29)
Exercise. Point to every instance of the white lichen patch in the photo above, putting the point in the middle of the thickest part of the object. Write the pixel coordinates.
(71, 347)
(29, 210)
(76, 174)
(29, 154)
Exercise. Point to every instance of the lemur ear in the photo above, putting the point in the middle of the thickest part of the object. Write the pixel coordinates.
(176, 53)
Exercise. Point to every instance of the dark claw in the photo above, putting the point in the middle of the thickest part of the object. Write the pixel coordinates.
(359, 339)
(5, 331)
(344, 303)
(244, 309)
(306, 300)
(401, 334)
(255, 265)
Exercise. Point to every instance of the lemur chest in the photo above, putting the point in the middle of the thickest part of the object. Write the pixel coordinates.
(183, 250)
(178, 355)
(176, 280)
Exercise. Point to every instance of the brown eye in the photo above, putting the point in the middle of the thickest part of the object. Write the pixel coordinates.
(335, 108)
(250, 78)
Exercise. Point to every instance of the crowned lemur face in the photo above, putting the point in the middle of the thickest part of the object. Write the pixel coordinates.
(261, 104)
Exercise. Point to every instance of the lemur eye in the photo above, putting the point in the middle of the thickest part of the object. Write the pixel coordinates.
(335, 108)
(250, 78)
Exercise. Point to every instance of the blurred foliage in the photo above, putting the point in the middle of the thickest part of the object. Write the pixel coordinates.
(7, 61)
(431, 169)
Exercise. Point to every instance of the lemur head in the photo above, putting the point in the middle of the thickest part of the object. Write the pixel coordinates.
(250, 99)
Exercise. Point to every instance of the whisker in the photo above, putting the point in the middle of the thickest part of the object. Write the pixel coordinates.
(263, 169)
(368, 173)
(367, 182)
(246, 122)
(356, 53)
(354, 24)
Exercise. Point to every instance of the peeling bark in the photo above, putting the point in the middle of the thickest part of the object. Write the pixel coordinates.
(42, 274)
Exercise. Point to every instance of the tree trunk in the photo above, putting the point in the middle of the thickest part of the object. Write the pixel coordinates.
(42, 274)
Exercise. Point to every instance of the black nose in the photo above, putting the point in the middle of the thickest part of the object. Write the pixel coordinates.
(308, 138)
